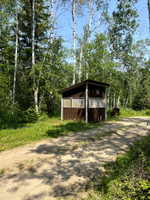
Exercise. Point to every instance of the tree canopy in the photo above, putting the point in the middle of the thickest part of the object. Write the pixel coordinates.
(113, 56)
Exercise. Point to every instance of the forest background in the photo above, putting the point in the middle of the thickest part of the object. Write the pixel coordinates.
(46, 46)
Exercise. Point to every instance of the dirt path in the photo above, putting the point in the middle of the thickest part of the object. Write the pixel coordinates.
(60, 167)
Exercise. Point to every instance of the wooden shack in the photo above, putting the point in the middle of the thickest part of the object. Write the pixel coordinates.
(84, 101)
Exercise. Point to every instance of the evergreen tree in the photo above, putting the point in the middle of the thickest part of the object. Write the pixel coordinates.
(31, 72)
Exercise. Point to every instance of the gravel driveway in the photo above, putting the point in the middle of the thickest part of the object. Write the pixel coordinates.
(59, 168)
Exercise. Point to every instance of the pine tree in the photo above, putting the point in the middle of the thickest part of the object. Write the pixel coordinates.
(33, 26)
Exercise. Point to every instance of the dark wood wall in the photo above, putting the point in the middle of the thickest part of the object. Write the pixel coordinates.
(76, 92)
(94, 114)
(74, 113)
(96, 91)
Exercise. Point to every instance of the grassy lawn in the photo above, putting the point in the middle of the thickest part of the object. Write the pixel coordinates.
(14, 136)
(134, 113)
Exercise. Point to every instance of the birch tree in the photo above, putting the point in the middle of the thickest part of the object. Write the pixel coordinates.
(80, 62)
(92, 7)
(75, 6)
(36, 88)
(74, 39)
(98, 27)
(51, 28)
(16, 59)
(82, 43)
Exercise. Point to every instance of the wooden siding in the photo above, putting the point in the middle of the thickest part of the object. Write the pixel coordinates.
(96, 91)
(75, 92)
(74, 113)
(94, 114)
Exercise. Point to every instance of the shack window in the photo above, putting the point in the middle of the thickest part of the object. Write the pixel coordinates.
(96, 103)
(67, 103)
(78, 103)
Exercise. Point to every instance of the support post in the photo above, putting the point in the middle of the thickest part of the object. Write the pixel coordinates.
(62, 102)
(86, 103)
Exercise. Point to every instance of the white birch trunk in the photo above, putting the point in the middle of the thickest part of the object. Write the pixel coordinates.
(98, 28)
(108, 98)
(33, 32)
(80, 63)
(118, 101)
(111, 101)
(74, 40)
(16, 59)
(92, 12)
(126, 101)
(51, 29)
(114, 100)
(33, 56)
(89, 39)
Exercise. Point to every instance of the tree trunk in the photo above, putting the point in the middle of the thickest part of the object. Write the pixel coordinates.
(92, 12)
(126, 101)
(98, 29)
(16, 59)
(36, 90)
(108, 98)
(33, 55)
(33, 32)
(111, 103)
(80, 63)
(51, 103)
(130, 97)
(51, 30)
(118, 101)
(114, 100)
(89, 39)
(74, 40)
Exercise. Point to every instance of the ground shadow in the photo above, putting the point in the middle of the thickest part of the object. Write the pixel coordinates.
(64, 171)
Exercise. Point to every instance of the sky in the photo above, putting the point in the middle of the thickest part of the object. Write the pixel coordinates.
(65, 26)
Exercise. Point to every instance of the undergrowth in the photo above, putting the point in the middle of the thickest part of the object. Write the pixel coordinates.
(128, 177)
(134, 113)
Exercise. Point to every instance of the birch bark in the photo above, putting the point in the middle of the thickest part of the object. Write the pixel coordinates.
(118, 101)
(51, 29)
(74, 40)
(92, 12)
(16, 59)
(36, 89)
(80, 63)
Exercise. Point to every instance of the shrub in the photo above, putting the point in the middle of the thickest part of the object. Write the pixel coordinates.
(129, 176)
(31, 115)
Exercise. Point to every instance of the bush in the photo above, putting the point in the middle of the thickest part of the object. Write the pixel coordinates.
(19, 117)
(129, 176)
(31, 115)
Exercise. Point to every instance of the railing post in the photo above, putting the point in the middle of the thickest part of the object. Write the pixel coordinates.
(86, 103)
(62, 108)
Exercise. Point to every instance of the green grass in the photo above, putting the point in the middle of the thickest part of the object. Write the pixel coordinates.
(128, 177)
(13, 136)
(128, 113)
(133, 113)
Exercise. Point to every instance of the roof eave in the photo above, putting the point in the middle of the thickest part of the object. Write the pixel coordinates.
(82, 83)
